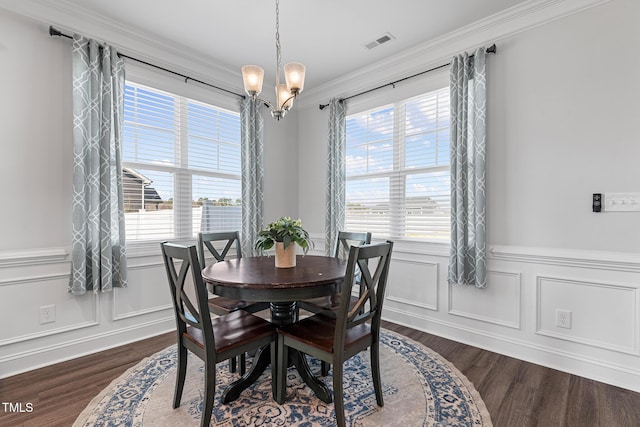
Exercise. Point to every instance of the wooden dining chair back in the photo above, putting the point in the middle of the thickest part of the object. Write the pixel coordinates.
(227, 239)
(214, 340)
(355, 328)
(344, 241)
(207, 240)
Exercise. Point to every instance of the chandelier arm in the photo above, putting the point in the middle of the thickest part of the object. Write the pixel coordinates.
(287, 100)
(265, 102)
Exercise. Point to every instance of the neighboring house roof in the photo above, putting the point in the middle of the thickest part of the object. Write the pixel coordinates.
(150, 194)
(132, 173)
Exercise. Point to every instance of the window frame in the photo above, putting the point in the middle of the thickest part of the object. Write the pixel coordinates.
(397, 176)
(183, 176)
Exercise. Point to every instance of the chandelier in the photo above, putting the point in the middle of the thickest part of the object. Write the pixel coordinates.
(252, 76)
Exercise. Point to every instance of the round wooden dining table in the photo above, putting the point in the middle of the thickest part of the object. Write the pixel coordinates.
(257, 279)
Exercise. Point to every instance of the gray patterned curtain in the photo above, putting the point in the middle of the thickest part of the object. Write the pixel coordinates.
(98, 257)
(335, 197)
(467, 260)
(252, 174)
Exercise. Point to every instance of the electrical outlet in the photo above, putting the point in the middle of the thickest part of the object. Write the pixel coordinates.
(47, 314)
(563, 318)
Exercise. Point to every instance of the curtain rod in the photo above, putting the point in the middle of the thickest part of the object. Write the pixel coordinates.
(490, 49)
(55, 32)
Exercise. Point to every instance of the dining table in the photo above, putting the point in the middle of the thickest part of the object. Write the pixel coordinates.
(257, 279)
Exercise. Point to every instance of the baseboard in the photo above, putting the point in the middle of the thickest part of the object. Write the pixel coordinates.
(29, 360)
(591, 368)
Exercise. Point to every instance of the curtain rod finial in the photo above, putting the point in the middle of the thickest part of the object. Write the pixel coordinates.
(491, 49)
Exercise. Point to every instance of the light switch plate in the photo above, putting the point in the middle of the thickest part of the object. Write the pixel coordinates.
(621, 202)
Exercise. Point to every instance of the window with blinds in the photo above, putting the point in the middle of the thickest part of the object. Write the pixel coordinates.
(181, 166)
(397, 169)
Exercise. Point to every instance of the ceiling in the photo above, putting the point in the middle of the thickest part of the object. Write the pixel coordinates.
(328, 36)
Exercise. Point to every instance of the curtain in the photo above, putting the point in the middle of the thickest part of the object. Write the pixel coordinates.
(251, 129)
(467, 260)
(98, 257)
(335, 196)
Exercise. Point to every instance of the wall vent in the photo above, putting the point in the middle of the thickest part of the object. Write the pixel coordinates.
(386, 37)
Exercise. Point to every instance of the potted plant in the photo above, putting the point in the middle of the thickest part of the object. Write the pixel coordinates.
(284, 234)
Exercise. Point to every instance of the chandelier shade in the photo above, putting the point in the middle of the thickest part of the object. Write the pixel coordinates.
(294, 73)
(285, 101)
(252, 77)
(294, 76)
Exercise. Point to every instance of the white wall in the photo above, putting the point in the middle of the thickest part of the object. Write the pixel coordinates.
(280, 167)
(562, 124)
(36, 107)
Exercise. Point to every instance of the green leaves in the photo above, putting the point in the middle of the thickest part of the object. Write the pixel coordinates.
(285, 230)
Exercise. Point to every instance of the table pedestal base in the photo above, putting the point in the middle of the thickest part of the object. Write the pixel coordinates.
(261, 360)
(299, 361)
(282, 313)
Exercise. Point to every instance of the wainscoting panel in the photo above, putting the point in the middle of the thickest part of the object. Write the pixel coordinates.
(413, 283)
(600, 314)
(31, 279)
(148, 292)
(30, 292)
(498, 303)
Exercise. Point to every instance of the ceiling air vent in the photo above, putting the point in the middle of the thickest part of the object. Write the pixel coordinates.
(386, 37)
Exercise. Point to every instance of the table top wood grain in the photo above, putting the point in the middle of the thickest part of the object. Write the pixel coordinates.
(258, 279)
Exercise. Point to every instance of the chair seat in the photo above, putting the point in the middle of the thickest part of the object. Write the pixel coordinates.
(233, 330)
(222, 305)
(325, 305)
(318, 331)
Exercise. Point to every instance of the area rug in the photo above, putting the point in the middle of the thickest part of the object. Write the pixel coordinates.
(420, 388)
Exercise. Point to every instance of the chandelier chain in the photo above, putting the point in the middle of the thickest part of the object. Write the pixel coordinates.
(278, 58)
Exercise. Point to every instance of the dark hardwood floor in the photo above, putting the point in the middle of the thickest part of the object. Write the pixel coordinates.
(516, 393)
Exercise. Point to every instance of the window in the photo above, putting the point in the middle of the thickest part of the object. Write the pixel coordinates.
(397, 169)
(181, 166)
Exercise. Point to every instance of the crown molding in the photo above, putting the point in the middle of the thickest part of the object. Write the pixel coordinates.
(165, 53)
(70, 18)
(439, 51)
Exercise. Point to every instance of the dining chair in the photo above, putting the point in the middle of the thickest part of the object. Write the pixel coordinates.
(221, 305)
(355, 328)
(212, 340)
(327, 305)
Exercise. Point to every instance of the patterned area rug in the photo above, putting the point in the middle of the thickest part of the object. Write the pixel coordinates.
(420, 389)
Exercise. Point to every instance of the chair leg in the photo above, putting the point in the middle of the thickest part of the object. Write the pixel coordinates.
(375, 372)
(338, 394)
(275, 375)
(180, 375)
(232, 365)
(242, 359)
(209, 394)
(281, 371)
(324, 368)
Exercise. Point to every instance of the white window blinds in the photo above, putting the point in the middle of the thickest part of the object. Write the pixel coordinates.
(181, 166)
(397, 170)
